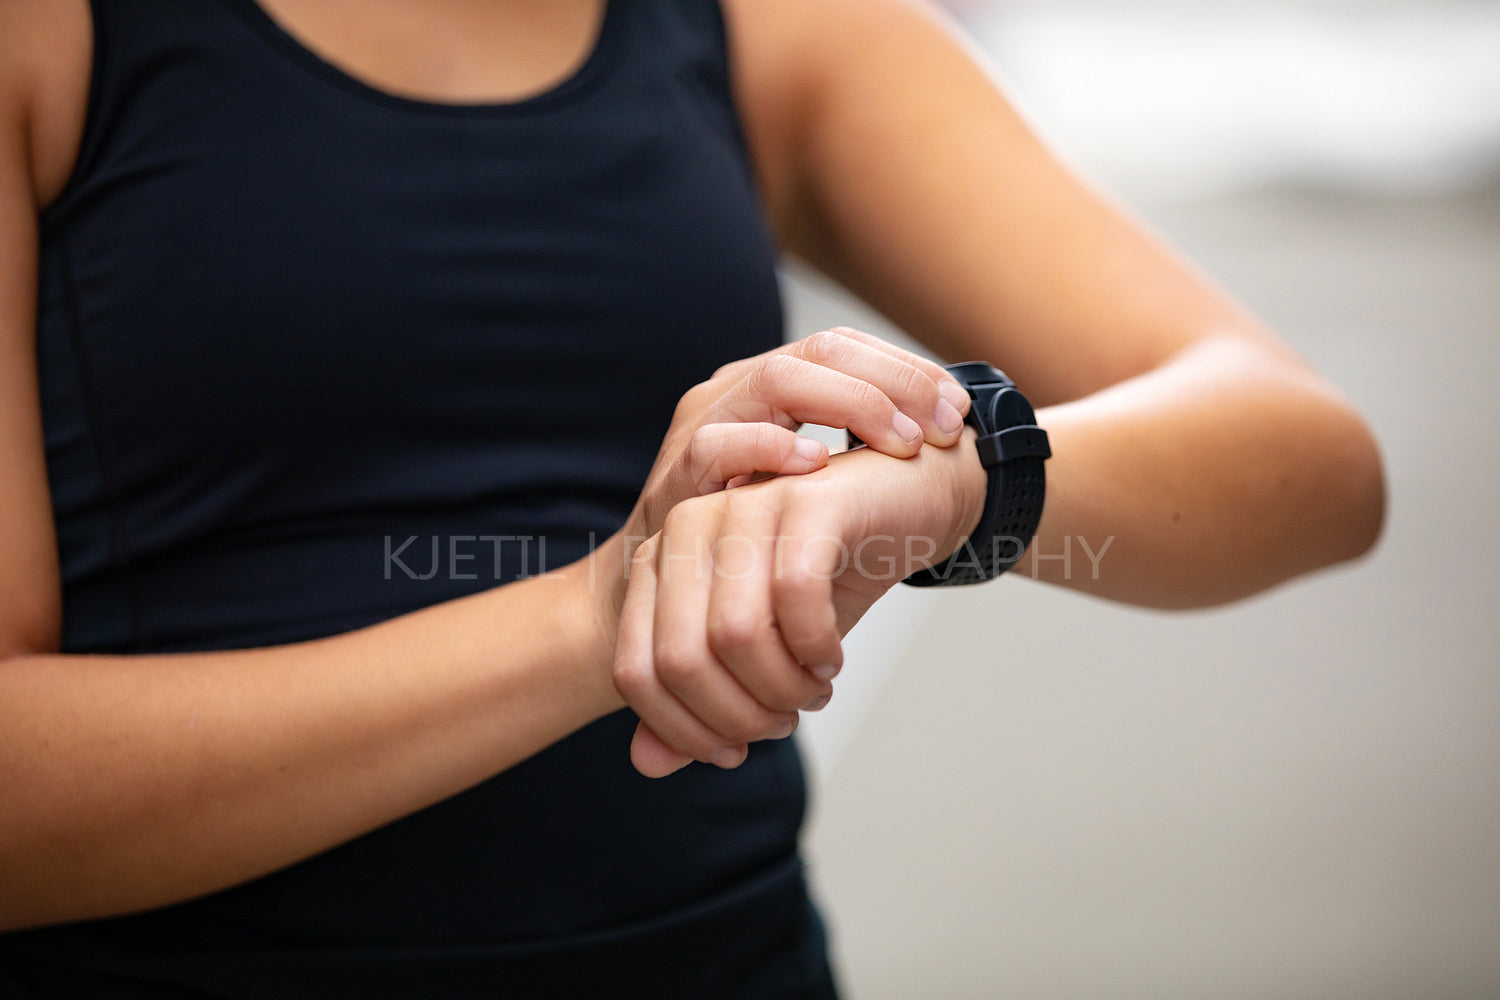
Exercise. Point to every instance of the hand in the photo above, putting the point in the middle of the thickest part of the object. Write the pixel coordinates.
(734, 612)
(742, 422)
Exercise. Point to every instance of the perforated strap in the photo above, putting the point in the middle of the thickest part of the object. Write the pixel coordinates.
(1012, 448)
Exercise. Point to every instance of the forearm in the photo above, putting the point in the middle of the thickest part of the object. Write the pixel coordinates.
(132, 782)
(1226, 470)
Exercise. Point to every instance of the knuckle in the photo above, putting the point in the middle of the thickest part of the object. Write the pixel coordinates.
(704, 441)
(752, 409)
(747, 505)
(726, 371)
(777, 370)
(646, 551)
(823, 347)
(631, 678)
(914, 383)
(802, 589)
(679, 666)
(771, 440)
(866, 398)
(642, 565)
(732, 632)
(693, 400)
(805, 637)
(677, 520)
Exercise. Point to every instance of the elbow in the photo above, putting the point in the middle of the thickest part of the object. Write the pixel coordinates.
(1359, 488)
(1332, 496)
(1325, 509)
(1371, 516)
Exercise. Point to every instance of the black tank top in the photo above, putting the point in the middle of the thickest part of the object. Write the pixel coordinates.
(313, 355)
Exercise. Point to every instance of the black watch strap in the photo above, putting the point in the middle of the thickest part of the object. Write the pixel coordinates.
(1012, 449)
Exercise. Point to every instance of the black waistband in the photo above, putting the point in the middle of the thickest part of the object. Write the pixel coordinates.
(760, 938)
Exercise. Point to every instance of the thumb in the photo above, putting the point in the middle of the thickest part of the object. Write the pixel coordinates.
(719, 454)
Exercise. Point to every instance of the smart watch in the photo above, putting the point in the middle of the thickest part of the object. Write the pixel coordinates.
(1012, 449)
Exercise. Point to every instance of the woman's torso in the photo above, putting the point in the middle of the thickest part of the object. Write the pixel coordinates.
(313, 354)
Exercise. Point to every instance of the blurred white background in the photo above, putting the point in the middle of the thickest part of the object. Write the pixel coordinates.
(1023, 792)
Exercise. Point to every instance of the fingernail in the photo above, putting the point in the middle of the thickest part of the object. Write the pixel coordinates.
(729, 757)
(825, 671)
(808, 450)
(948, 419)
(954, 394)
(818, 703)
(906, 428)
(787, 728)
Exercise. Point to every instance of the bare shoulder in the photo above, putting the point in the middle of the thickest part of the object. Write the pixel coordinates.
(770, 62)
(44, 85)
(791, 58)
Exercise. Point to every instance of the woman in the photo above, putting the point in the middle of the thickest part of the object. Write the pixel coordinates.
(319, 320)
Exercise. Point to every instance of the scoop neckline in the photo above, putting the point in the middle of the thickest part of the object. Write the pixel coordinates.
(574, 85)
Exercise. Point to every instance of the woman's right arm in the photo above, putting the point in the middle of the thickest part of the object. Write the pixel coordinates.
(129, 782)
(132, 782)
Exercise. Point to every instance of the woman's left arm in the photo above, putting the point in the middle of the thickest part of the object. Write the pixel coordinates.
(1208, 457)
(1196, 459)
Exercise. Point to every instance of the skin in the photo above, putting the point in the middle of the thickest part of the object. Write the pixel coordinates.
(887, 158)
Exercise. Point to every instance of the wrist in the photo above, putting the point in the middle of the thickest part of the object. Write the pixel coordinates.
(590, 620)
(969, 487)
